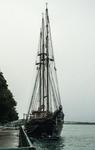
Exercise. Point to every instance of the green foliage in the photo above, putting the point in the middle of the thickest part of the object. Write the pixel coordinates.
(7, 102)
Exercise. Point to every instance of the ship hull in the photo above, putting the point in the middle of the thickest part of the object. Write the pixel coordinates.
(45, 127)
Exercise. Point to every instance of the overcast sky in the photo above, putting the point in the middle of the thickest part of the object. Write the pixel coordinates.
(73, 35)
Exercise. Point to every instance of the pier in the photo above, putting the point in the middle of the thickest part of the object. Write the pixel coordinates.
(11, 139)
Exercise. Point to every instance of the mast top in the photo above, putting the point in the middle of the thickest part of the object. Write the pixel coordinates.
(46, 5)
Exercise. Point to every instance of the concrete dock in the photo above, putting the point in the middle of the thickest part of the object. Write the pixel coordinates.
(9, 138)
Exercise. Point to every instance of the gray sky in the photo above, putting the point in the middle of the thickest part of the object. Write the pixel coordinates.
(73, 34)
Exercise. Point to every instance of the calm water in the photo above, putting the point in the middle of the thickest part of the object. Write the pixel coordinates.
(74, 137)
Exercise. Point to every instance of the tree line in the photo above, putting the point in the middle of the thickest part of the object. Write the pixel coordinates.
(7, 103)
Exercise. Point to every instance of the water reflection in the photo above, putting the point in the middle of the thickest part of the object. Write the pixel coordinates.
(50, 144)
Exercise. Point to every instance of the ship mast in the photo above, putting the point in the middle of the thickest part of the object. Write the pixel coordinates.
(44, 62)
(43, 58)
(45, 96)
(47, 62)
(40, 67)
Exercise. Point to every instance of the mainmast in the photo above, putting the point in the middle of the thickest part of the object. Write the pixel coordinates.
(40, 67)
(47, 21)
(43, 58)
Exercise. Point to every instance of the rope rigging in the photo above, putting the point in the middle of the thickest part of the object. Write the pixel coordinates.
(46, 96)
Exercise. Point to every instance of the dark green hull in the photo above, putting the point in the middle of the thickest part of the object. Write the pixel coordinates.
(45, 127)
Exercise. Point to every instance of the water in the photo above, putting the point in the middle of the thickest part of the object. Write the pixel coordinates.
(74, 137)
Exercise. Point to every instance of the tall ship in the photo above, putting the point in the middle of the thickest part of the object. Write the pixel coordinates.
(45, 115)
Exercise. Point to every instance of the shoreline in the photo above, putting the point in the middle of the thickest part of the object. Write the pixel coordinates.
(78, 123)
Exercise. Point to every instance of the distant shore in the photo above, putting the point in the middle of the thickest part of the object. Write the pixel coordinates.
(79, 123)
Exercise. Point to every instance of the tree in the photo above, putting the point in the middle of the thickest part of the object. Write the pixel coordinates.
(7, 102)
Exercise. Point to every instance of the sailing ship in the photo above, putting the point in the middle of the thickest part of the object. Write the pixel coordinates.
(45, 116)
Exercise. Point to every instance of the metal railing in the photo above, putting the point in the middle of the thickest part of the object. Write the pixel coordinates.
(24, 141)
